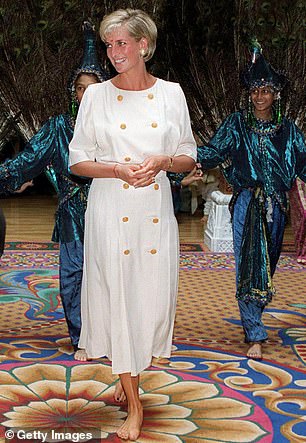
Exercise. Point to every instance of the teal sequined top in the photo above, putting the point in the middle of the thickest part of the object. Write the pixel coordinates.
(48, 151)
(265, 155)
(265, 158)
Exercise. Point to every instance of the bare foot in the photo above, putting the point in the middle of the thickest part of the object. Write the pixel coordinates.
(130, 430)
(80, 355)
(119, 394)
(255, 351)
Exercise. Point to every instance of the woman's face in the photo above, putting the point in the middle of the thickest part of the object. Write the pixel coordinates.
(262, 98)
(82, 83)
(123, 50)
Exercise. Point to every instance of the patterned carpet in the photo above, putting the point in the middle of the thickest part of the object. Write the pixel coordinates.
(207, 392)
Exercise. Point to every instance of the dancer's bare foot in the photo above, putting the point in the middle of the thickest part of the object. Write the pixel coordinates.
(130, 430)
(119, 394)
(80, 355)
(255, 351)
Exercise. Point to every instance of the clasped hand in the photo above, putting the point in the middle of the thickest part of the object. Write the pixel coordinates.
(143, 174)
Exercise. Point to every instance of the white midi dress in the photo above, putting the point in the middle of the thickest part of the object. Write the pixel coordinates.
(131, 246)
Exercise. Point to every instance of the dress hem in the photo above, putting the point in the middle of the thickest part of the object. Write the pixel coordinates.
(128, 371)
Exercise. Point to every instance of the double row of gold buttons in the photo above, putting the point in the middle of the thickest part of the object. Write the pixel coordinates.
(150, 97)
(152, 251)
(126, 185)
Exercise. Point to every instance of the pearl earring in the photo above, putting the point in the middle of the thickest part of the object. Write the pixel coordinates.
(142, 52)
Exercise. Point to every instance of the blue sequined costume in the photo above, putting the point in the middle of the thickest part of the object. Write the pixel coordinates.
(260, 163)
(49, 149)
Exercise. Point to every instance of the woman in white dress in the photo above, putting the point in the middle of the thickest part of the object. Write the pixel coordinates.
(129, 132)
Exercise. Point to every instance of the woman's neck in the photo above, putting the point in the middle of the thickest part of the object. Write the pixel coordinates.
(263, 115)
(131, 82)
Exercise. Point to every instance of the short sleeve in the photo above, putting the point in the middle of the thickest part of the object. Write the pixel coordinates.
(187, 145)
(83, 144)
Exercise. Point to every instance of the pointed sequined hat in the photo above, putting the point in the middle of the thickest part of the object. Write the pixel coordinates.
(260, 73)
(89, 63)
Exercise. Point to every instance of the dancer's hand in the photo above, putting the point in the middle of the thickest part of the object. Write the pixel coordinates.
(195, 175)
(24, 187)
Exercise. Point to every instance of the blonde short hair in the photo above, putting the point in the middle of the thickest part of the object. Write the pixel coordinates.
(138, 23)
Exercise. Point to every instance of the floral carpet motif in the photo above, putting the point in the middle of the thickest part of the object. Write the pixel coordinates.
(31, 246)
(225, 261)
(202, 394)
(198, 395)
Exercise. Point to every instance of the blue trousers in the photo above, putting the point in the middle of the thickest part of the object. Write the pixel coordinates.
(71, 271)
(250, 312)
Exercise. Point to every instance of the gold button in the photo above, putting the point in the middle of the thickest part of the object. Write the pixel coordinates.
(156, 186)
(127, 159)
(126, 252)
(155, 220)
(123, 126)
(154, 125)
(150, 96)
(126, 186)
(153, 251)
(125, 219)
(119, 98)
